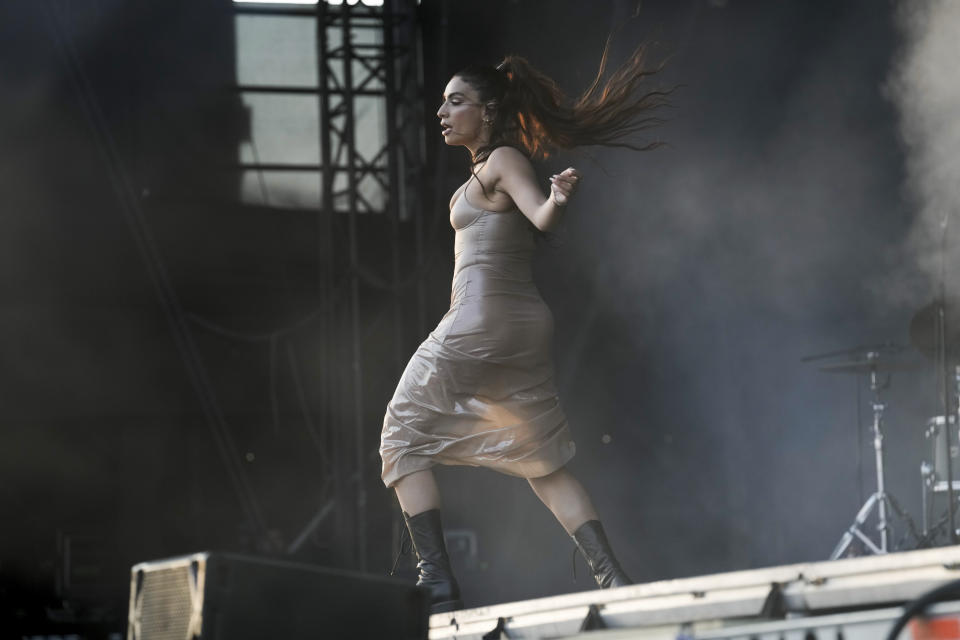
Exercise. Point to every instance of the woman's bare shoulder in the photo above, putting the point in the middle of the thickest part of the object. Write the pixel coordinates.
(507, 160)
(508, 155)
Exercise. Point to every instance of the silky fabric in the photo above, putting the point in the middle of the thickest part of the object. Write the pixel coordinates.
(479, 390)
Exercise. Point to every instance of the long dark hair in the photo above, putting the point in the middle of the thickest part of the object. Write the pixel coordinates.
(530, 112)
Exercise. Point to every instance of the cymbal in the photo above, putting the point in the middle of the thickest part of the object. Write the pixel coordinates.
(861, 352)
(924, 328)
(869, 365)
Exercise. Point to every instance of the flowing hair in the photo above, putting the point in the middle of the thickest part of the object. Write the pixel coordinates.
(531, 113)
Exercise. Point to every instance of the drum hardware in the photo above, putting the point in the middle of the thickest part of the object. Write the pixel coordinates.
(934, 321)
(925, 332)
(937, 471)
(933, 336)
(873, 361)
(926, 471)
(935, 474)
(948, 450)
(931, 486)
(934, 479)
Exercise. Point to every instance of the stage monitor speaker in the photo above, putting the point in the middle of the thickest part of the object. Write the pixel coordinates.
(222, 596)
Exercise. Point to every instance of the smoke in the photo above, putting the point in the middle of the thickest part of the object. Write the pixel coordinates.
(924, 84)
(722, 261)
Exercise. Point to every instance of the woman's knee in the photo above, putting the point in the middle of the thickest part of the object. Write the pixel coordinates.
(549, 482)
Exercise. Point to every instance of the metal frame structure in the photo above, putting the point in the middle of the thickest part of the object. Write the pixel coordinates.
(363, 53)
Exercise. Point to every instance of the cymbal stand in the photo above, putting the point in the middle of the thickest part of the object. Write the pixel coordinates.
(880, 499)
(943, 352)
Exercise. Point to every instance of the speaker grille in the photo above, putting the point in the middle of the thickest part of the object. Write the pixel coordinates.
(165, 607)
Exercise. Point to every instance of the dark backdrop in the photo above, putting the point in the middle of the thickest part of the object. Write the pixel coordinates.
(687, 284)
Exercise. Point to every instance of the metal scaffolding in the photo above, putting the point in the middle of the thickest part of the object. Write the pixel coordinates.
(368, 53)
(368, 63)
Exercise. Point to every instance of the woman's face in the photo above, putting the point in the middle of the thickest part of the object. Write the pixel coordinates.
(461, 115)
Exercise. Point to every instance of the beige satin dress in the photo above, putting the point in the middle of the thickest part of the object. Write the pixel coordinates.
(479, 390)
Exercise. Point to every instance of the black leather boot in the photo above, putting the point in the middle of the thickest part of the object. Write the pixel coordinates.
(593, 545)
(426, 532)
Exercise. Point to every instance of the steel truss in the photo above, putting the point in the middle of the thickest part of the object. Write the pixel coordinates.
(369, 57)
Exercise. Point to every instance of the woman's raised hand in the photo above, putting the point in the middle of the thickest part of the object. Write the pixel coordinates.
(563, 185)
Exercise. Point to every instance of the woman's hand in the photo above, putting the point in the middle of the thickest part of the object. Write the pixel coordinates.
(563, 186)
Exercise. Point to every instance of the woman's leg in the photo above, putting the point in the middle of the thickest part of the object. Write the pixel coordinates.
(569, 502)
(566, 498)
(418, 492)
(420, 500)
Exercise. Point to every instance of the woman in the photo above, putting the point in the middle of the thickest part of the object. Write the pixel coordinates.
(479, 390)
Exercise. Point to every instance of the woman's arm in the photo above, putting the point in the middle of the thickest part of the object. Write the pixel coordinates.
(513, 174)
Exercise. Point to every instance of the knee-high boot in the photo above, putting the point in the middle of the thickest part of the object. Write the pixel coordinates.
(593, 545)
(426, 532)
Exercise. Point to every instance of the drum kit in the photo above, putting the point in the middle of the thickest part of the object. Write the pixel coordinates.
(940, 474)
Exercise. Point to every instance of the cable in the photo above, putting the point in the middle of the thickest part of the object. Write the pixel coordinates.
(264, 195)
(233, 334)
(274, 400)
(315, 437)
(918, 606)
(860, 497)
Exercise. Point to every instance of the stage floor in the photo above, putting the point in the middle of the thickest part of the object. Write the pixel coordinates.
(852, 599)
